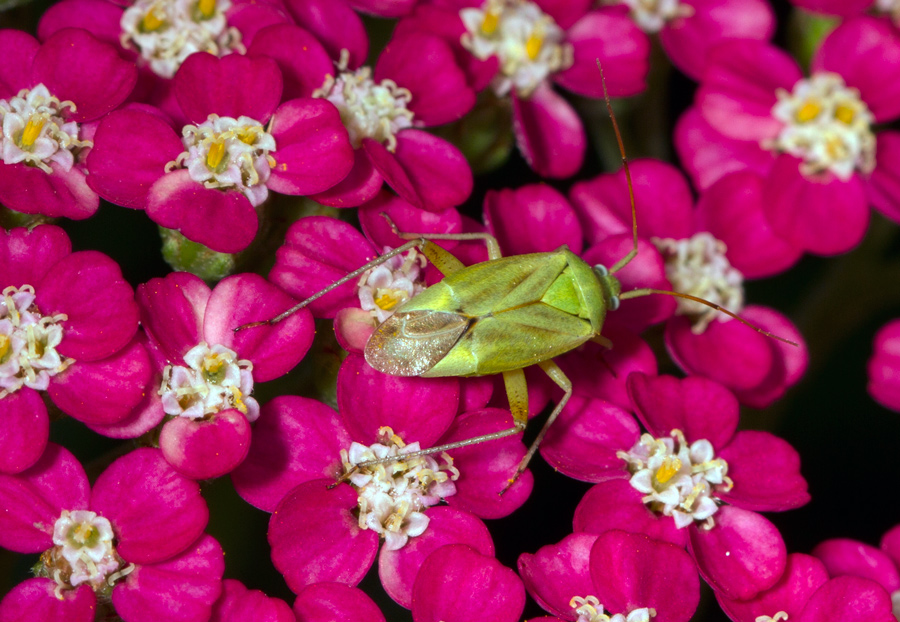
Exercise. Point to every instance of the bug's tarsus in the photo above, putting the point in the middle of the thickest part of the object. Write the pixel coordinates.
(644, 291)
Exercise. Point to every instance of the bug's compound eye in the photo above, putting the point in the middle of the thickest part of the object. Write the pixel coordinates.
(600, 270)
(614, 303)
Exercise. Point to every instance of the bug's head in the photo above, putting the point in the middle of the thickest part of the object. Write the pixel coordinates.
(610, 285)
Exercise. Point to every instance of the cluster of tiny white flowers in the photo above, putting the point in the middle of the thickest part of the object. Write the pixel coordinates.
(165, 32)
(526, 41)
(385, 287)
(28, 341)
(652, 15)
(368, 110)
(214, 380)
(224, 152)
(36, 132)
(589, 609)
(698, 266)
(826, 125)
(394, 493)
(677, 479)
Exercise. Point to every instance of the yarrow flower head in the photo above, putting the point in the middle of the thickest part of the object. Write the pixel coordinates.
(106, 548)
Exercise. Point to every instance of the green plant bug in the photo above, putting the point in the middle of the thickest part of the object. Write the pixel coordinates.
(499, 317)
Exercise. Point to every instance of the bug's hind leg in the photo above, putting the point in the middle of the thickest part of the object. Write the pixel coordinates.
(557, 376)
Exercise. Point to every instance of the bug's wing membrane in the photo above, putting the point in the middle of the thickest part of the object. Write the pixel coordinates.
(410, 343)
(513, 339)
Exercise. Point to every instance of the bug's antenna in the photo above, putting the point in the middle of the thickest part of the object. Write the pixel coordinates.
(637, 293)
(634, 249)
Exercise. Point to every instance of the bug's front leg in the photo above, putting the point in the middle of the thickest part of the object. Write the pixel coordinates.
(493, 247)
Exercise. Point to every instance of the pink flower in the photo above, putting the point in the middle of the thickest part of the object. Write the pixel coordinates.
(138, 533)
(884, 366)
(240, 144)
(811, 138)
(694, 468)
(843, 556)
(617, 574)
(688, 29)
(804, 593)
(705, 251)
(210, 371)
(67, 327)
(521, 47)
(301, 446)
(51, 97)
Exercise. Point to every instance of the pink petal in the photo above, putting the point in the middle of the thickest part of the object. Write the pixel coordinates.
(398, 569)
(458, 584)
(883, 187)
(144, 417)
(384, 8)
(549, 133)
(582, 443)
(181, 589)
(821, 214)
(172, 310)
(612, 39)
(732, 210)
(34, 499)
(275, 349)
(851, 599)
(35, 600)
(130, 493)
(295, 440)
(532, 219)
(249, 17)
(688, 40)
(59, 194)
(26, 428)
(231, 86)
(559, 572)
(361, 184)
(335, 602)
(843, 556)
(741, 556)
(842, 8)
(206, 448)
(303, 61)
(223, 221)
(417, 409)
(315, 537)
(74, 65)
(15, 65)
(883, 366)
(890, 543)
(314, 151)
(739, 86)
(335, 25)
(104, 392)
(408, 218)
(700, 408)
(564, 12)
(26, 255)
(237, 603)
(631, 571)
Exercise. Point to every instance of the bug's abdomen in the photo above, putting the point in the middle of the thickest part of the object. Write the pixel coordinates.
(411, 343)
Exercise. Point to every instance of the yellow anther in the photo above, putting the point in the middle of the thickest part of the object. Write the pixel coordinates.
(808, 111)
(670, 466)
(207, 8)
(5, 348)
(32, 131)
(215, 155)
(247, 135)
(490, 22)
(152, 20)
(236, 394)
(844, 113)
(534, 43)
(387, 301)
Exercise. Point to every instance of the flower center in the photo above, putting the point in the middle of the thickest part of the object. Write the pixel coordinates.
(393, 494)
(698, 266)
(214, 380)
(652, 15)
(826, 125)
(527, 42)
(28, 341)
(677, 479)
(368, 110)
(84, 553)
(165, 32)
(589, 609)
(384, 288)
(36, 132)
(225, 153)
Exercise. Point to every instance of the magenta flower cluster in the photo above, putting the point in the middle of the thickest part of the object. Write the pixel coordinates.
(277, 152)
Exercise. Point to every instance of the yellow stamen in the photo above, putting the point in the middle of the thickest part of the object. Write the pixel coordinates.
(667, 471)
(490, 22)
(236, 394)
(844, 113)
(207, 8)
(32, 131)
(213, 364)
(152, 21)
(387, 301)
(533, 44)
(808, 111)
(247, 135)
(4, 348)
(215, 155)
